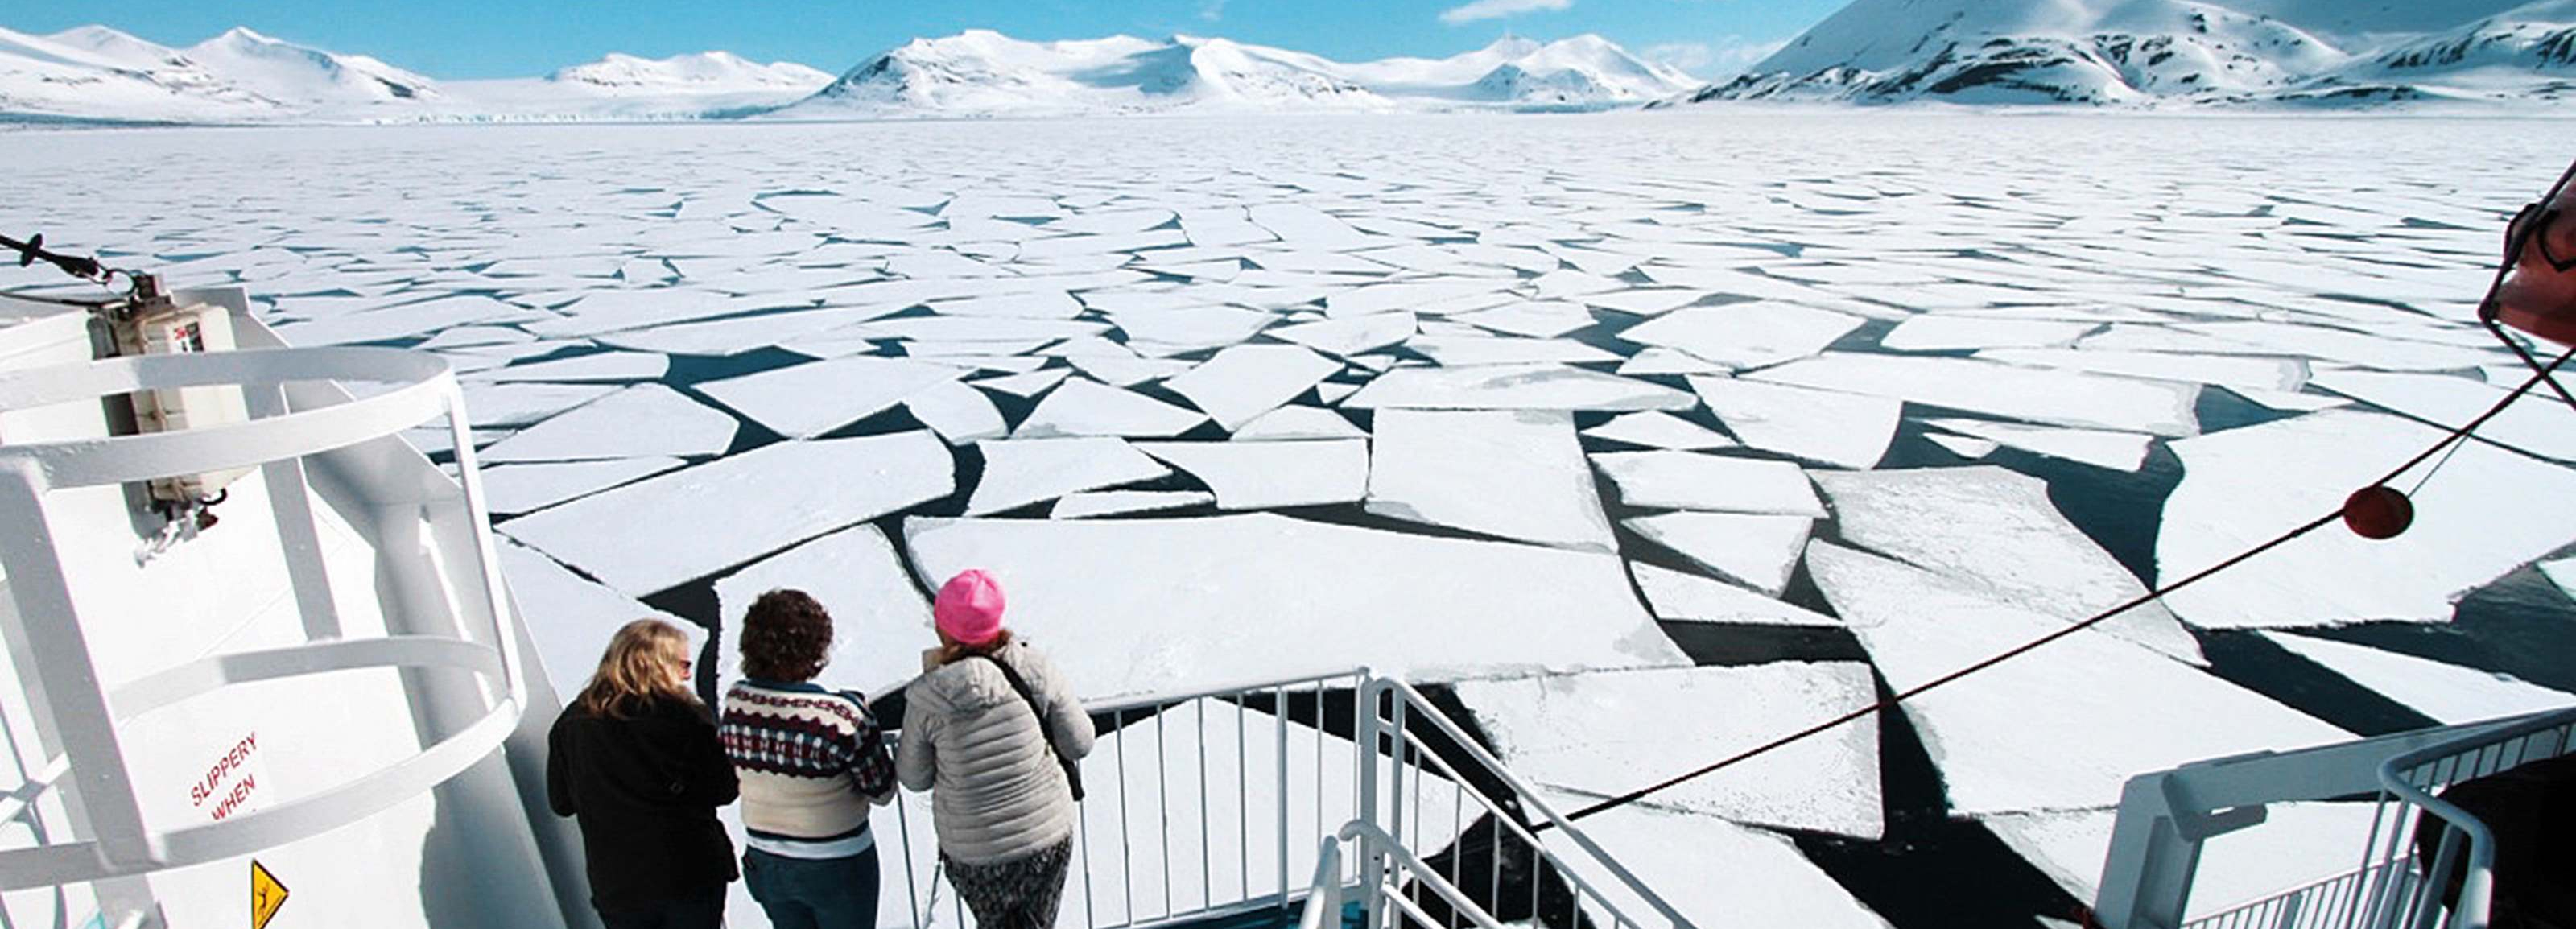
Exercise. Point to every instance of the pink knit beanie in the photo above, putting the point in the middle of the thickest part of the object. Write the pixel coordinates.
(969, 608)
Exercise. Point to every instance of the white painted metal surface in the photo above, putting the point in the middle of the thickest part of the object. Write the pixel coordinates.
(329, 680)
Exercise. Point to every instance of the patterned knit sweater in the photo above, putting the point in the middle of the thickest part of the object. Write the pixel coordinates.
(811, 762)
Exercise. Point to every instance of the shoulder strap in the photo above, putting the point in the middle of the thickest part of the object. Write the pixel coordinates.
(1022, 687)
(1072, 771)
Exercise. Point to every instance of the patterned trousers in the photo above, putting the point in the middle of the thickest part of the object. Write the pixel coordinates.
(1015, 893)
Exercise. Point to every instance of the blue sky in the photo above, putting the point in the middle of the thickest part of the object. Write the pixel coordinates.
(514, 38)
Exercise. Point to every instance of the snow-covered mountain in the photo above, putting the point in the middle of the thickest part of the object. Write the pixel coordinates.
(982, 73)
(96, 72)
(704, 72)
(99, 73)
(2161, 52)
(292, 73)
(705, 85)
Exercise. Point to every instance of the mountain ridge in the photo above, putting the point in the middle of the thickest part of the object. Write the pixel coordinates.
(2161, 53)
(242, 76)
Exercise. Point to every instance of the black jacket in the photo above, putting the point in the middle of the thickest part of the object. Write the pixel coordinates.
(645, 790)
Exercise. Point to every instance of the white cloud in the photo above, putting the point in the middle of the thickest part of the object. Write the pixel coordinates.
(1212, 10)
(1497, 9)
(1726, 57)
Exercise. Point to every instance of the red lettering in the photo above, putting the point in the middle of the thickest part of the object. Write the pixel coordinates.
(240, 794)
(232, 758)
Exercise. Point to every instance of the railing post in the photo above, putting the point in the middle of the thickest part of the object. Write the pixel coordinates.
(72, 701)
(2147, 876)
(1372, 859)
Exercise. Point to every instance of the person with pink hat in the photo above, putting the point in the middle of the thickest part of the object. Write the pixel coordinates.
(993, 732)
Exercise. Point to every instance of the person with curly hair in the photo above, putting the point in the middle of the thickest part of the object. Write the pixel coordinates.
(636, 762)
(993, 731)
(813, 762)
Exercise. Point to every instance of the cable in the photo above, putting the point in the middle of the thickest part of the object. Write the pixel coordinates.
(33, 250)
(2459, 434)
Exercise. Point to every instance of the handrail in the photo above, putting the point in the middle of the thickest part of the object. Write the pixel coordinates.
(2398, 780)
(1376, 841)
(1324, 894)
(1149, 700)
(1147, 803)
(1531, 798)
(430, 389)
(2165, 816)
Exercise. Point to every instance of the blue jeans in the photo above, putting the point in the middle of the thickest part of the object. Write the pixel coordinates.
(814, 893)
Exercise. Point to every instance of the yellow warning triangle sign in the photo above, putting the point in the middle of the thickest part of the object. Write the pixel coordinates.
(266, 895)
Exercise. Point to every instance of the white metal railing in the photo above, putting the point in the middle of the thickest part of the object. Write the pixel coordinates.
(1148, 812)
(1396, 882)
(2165, 816)
(1413, 826)
(85, 717)
(1500, 828)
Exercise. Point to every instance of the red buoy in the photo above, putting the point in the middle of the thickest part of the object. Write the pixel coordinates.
(2378, 512)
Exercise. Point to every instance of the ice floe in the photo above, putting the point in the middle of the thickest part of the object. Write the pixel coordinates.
(1995, 531)
(2538, 422)
(1963, 446)
(1745, 335)
(1020, 472)
(857, 577)
(1240, 383)
(2065, 398)
(1457, 350)
(1082, 406)
(1760, 551)
(511, 489)
(1939, 333)
(569, 618)
(1658, 429)
(1508, 387)
(1517, 474)
(645, 420)
(1122, 502)
(1413, 296)
(2448, 693)
(1299, 422)
(1124, 369)
(2118, 451)
(1697, 481)
(521, 404)
(2222, 370)
(1028, 384)
(1680, 596)
(704, 519)
(597, 366)
(1538, 319)
(958, 412)
(1347, 337)
(816, 397)
(2061, 728)
(1603, 734)
(1712, 872)
(1266, 475)
(1841, 429)
(2486, 512)
(1206, 601)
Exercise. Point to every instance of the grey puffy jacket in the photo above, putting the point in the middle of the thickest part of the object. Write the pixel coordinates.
(996, 792)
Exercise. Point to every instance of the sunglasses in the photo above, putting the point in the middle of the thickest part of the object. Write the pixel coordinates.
(2537, 227)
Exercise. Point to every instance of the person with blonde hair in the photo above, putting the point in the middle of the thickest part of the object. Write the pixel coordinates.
(994, 732)
(636, 762)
